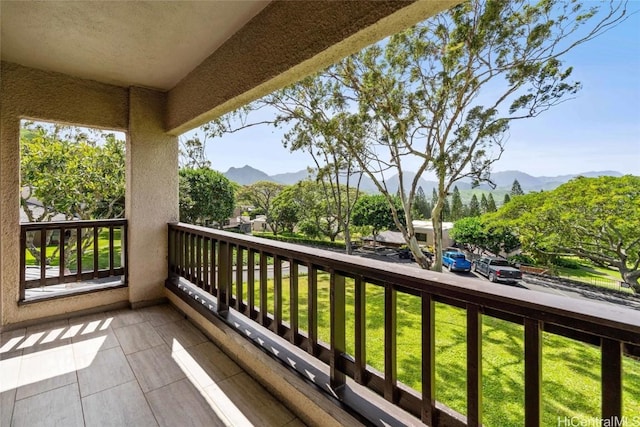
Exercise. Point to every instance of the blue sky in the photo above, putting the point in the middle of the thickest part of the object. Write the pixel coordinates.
(598, 130)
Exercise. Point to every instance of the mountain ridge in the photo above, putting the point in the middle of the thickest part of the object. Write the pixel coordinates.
(248, 175)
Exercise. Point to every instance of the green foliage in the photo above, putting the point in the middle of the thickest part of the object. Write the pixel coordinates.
(421, 206)
(206, 196)
(474, 206)
(76, 178)
(491, 204)
(507, 199)
(566, 263)
(516, 189)
(373, 210)
(591, 218)
(301, 240)
(457, 208)
(522, 259)
(439, 96)
(261, 196)
(484, 204)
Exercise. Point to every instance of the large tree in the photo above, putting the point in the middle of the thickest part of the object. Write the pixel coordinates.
(440, 96)
(592, 218)
(372, 210)
(70, 172)
(261, 196)
(211, 197)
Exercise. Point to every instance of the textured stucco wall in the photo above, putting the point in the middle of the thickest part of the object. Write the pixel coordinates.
(152, 194)
(283, 43)
(28, 93)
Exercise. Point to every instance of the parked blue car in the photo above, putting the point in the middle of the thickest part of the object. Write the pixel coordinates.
(455, 261)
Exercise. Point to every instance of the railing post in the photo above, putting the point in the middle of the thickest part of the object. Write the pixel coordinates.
(360, 332)
(428, 360)
(96, 237)
(23, 263)
(611, 378)
(338, 332)
(251, 286)
(532, 372)
(43, 257)
(474, 365)
(264, 316)
(206, 284)
(312, 318)
(293, 301)
(390, 340)
(224, 270)
(277, 294)
(239, 276)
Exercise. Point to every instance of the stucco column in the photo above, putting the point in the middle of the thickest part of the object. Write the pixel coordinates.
(9, 213)
(151, 199)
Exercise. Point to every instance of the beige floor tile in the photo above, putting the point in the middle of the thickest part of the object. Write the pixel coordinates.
(180, 334)
(140, 336)
(10, 373)
(187, 408)
(255, 402)
(103, 370)
(105, 339)
(160, 314)
(206, 364)
(49, 335)
(123, 405)
(46, 370)
(120, 318)
(7, 399)
(58, 407)
(155, 367)
(10, 342)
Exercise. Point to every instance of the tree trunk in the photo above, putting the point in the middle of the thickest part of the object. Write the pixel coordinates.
(631, 277)
(420, 257)
(347, 241)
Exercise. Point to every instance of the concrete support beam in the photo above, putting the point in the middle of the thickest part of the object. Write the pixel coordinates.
(266, 55)
(151, 199)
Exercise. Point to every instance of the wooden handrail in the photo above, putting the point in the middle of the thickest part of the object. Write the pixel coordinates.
(204, 256)
(93, 269)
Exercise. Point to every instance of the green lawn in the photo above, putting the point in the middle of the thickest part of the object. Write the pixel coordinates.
(571, 370)
(595, 276)
(87, 256)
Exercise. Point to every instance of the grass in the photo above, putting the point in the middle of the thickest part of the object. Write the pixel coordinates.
(593, 275)
(571, 370)
(87, 256)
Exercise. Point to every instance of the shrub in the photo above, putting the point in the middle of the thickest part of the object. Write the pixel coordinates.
(566, 263)
(522, 259)
(302, 240)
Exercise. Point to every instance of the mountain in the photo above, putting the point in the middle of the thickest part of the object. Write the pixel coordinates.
(247, 175)
(290, 177)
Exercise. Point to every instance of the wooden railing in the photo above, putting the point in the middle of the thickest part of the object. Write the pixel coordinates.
(207, 258)
(58, 252)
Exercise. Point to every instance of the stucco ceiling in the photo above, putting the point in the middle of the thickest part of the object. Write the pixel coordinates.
(153, 44)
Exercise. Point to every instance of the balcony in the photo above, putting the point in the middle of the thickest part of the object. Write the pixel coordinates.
(287, 317)
(269, 289)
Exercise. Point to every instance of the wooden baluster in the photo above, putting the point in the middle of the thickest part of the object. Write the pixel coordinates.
(337, 302)
(428, 360)
(390, 347)
(361, 330)
(474, 365)
(532, 372)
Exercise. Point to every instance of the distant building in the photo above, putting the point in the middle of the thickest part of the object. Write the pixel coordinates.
(425, 235)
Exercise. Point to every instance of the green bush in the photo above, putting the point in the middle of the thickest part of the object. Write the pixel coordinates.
(522, 259)
(302, 240)
(566, 263)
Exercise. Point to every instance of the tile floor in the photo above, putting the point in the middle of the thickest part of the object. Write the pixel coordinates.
(146, 367)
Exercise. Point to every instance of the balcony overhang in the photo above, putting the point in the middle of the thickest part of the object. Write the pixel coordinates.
(210, 57)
